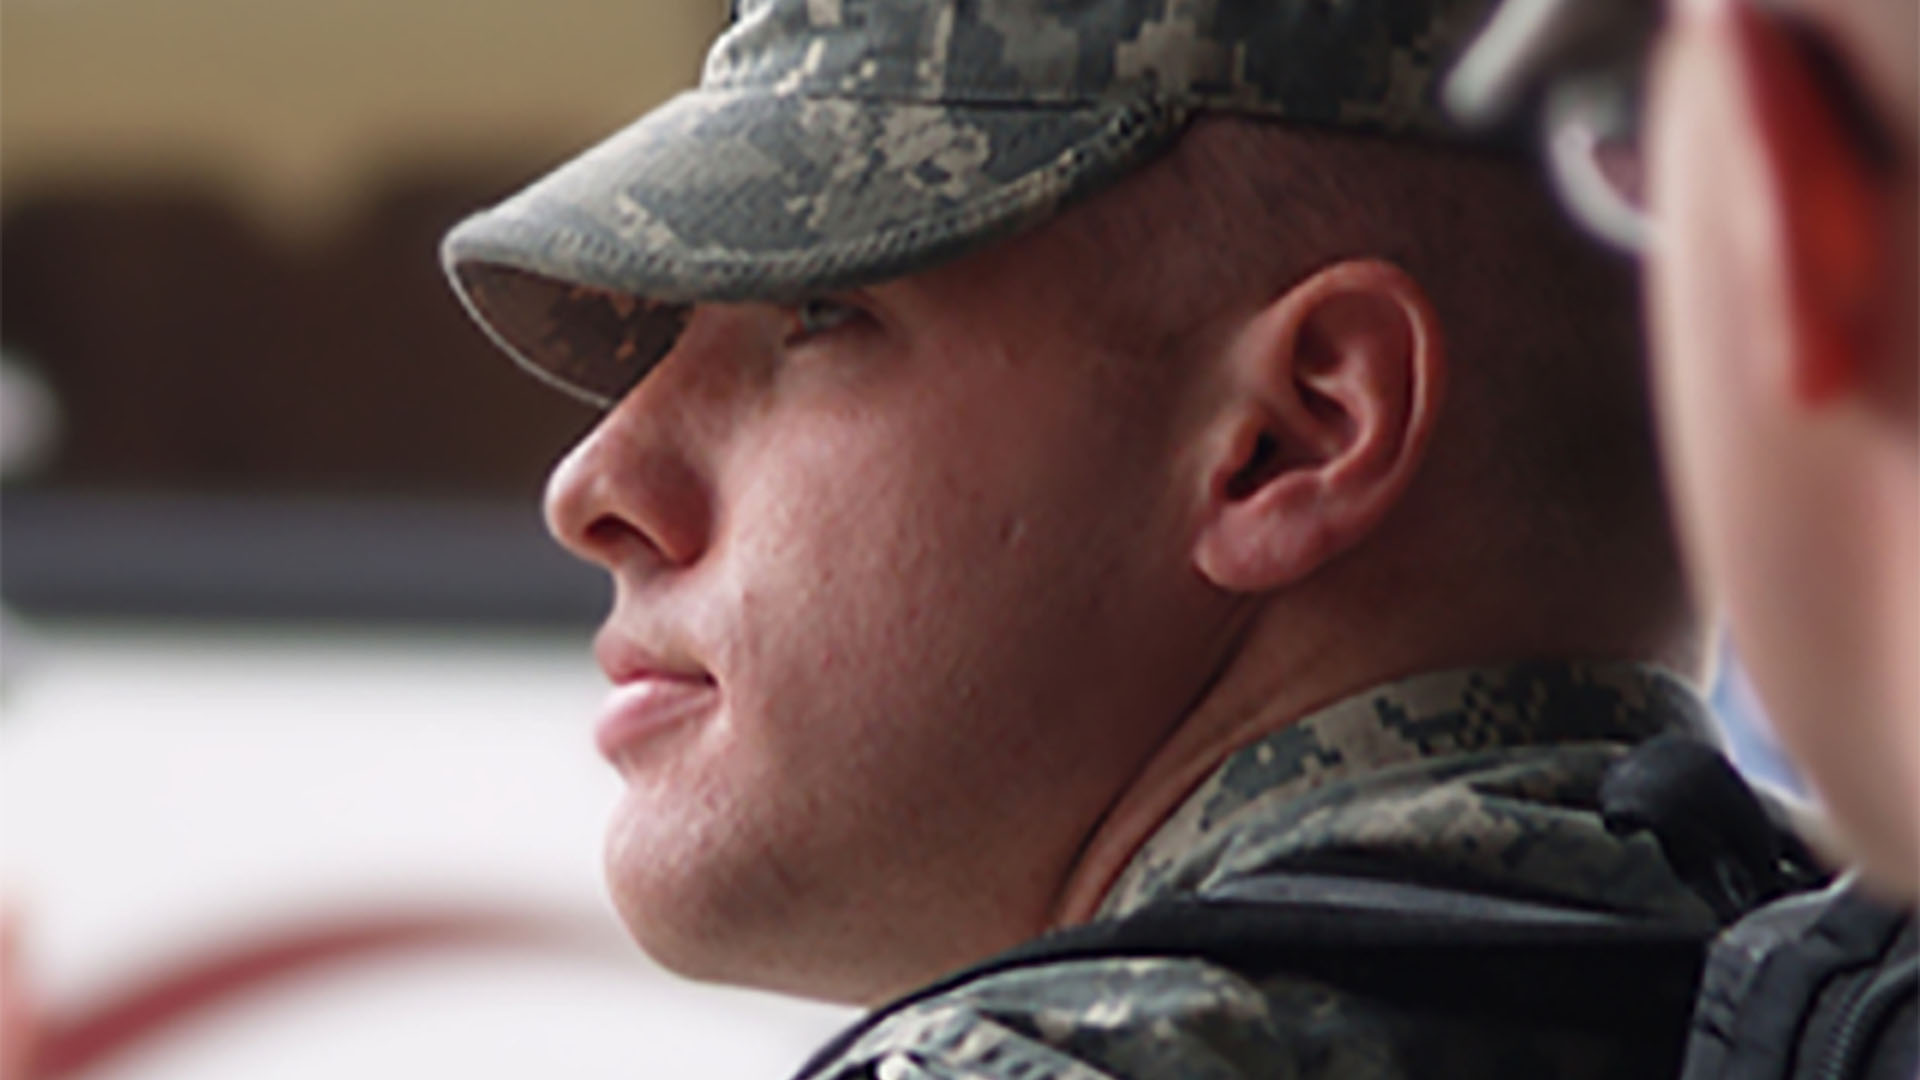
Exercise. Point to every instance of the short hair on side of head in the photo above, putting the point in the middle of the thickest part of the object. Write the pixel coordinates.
(1548, 406)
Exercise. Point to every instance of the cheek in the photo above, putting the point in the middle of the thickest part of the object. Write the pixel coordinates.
(865, 553)
(830, 578)
(923, 588)
(1718, 335)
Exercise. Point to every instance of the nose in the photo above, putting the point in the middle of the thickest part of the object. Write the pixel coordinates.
(631, 495)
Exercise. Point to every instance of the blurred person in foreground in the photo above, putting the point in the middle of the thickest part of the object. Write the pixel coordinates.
(1773, 149)
(1773, 146)
(1110, 469)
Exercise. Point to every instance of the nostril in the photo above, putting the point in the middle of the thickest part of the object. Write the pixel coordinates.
(629, 490)
(606, 533)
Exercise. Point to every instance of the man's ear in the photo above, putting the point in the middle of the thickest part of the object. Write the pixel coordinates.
(1830, 214)
(1332, 393)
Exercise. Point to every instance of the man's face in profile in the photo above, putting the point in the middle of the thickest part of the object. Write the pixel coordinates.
(900, 590)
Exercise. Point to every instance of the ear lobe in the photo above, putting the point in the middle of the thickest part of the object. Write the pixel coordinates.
(1334, 388)
(1828, 203)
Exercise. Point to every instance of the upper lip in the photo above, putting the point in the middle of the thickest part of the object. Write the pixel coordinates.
(626, 660)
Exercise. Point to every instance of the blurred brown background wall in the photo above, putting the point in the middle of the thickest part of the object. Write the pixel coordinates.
(218, 222)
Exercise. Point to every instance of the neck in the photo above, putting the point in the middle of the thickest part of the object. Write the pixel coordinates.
(1259, 691)
(1272, 680)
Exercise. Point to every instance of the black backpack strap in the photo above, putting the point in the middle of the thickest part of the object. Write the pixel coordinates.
(1430, 947)
(1416, 912)
(1821, 986)
(1714, 830)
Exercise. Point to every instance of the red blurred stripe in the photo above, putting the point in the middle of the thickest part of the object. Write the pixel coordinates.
(70, 1045)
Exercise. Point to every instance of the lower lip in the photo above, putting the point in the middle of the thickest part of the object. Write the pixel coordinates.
(644, 707)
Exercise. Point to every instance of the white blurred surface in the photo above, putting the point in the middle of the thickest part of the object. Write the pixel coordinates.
(168, 790)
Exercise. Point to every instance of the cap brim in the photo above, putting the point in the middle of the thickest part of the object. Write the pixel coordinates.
(718, 196)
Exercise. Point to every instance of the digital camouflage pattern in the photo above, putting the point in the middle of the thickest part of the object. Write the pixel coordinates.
(1485, 778)
(836, 143)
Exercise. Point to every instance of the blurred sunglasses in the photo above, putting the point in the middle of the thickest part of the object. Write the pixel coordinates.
(1582, 64)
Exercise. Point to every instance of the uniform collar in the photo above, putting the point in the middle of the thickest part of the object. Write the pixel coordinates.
(1412, 724)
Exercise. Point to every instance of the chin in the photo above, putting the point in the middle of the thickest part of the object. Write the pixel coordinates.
(1886, 843)
(661, 899)
(700, 918)
(697, 948)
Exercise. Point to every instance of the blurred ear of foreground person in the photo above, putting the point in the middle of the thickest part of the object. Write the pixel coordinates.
(1132, 552)
(1776, 144)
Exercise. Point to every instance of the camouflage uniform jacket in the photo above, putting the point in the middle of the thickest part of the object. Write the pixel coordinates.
(1483, 777)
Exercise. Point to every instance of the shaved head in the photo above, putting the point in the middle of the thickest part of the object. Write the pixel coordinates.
(1547, 430)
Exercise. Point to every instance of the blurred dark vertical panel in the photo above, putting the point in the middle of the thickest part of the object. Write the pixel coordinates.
(255, 427)
(191, 351)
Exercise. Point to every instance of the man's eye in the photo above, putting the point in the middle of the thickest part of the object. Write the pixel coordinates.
(817, 316)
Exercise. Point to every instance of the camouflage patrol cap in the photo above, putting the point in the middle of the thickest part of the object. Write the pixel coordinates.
(837, 143)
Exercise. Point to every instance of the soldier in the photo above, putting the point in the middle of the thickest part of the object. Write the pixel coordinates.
(1064, 465)
(1780, 144)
